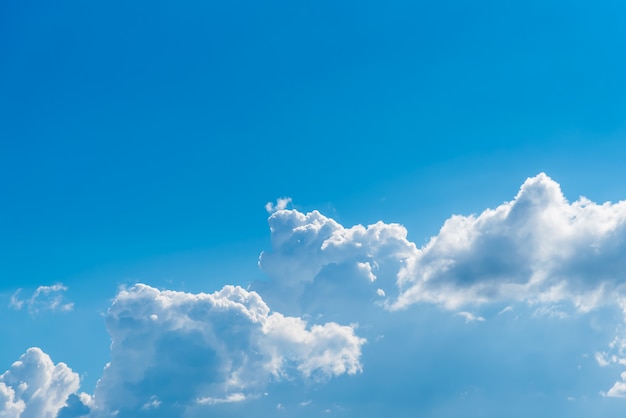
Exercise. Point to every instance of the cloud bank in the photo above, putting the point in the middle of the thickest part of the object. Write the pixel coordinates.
(177, 354)
(319, 267)
(554, 256)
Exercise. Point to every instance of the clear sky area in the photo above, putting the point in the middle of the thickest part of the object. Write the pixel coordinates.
(312, 208)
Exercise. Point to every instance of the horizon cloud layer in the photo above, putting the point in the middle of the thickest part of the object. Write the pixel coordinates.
(180, 354)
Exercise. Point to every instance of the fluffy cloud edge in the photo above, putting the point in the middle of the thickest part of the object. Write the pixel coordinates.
(34, 386)
(557, 257)
(473, 261)
(229, 341)
(537, 248)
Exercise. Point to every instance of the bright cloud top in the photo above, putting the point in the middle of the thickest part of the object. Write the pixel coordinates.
(319, 267)
(537, 248)
(173, 348)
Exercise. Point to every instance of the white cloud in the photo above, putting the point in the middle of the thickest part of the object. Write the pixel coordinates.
(470, 317)
(537, 248)
(184, 349)
(233, 397)
(152, 404)
(505, 310)
(15, 302)
(44, 298)
(602, 360)
(616, 355)
(35, 387)
(619, 388)
(316, 265)
(553, 311)
(556, 256)
(281, 204)
(178, 354)
(10, 407)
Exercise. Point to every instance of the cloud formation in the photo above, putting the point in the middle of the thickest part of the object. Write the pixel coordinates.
(618, 390)
(537, 248)
(173, 350)
(177, 354)
(470, 317)
(281, 204)
(35, 387)
(317, 266)
(44, 298)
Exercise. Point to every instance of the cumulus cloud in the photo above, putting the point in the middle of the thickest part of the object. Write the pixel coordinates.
(537, 248)
(316, 265)
(44, 298)
(10, 407)
(35, 387)
(172, 350)
(176, 354)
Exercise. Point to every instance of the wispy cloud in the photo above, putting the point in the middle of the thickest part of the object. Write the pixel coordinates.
(505, 310)
(470, 317)
(234, 397)
(44, 298)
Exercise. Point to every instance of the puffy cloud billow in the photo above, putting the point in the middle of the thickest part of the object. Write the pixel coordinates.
(35, 387)
(173, 350)
(177, 354)
(317, 266)
(537, 248)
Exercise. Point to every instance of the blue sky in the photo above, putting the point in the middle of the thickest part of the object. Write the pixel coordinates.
(140, 143)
